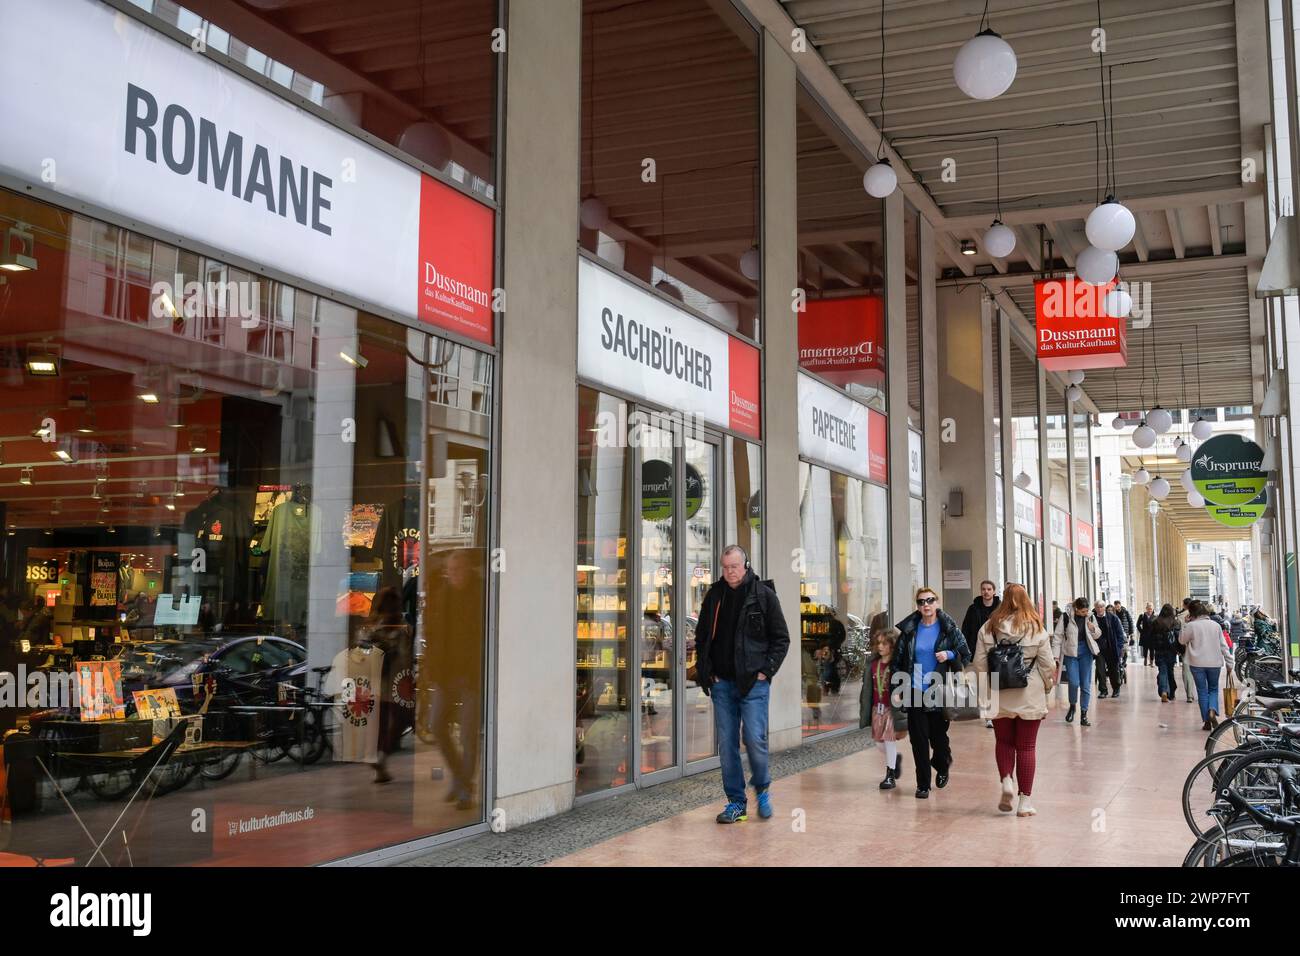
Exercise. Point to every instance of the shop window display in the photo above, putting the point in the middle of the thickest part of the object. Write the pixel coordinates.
(218, 498)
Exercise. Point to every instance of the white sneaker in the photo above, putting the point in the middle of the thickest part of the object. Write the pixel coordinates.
(1024, 809)
(988, 724)
(1008, 791)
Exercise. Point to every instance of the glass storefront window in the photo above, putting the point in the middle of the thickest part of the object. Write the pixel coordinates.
(1024, 422)
(841, 261)
(257, 519)
(744, 524)
(844, 584)
(1058, 466)
(688, 223)
(1081, 464)
(995, 345)
(918, 542)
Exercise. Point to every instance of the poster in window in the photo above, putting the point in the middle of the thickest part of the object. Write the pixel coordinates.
(99, 687)
(361, 524)
(103, 580)
(157, 703)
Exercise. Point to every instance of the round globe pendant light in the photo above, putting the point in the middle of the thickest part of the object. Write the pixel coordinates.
(1144, 436)
(1159, 489)
(1117, 303)
(750, 264)
(1097, 266)
(1118, 424)
(1023, 480)
(1160, 420)
(1110, 226)
(1185, 479)
(1195, 499)
(1074, 393)
(1077, 375)
(1201, 428)
(880, 180)
(594, 213)
(1000, 240)
(1183, 452)
(985, 66)
(426, 141)
(1141, 476)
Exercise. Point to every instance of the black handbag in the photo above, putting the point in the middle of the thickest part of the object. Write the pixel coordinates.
(1008, 662)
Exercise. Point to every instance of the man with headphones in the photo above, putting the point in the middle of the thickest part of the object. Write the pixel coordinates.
(740, 641)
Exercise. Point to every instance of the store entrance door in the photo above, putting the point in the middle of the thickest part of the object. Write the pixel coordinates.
(677, 561)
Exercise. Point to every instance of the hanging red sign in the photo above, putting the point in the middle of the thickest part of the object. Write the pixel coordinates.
(1083, 538)
(840, 339)
(1073, 329)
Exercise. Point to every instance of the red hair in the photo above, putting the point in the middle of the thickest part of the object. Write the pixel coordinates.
(1017, 609)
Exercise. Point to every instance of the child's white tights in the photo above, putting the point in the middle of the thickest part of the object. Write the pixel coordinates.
(891, 753)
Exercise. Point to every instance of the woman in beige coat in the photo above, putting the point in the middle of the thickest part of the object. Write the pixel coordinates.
(1017, 712)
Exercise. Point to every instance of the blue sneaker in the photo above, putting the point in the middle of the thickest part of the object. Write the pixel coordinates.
(765, 804)
(733, 813)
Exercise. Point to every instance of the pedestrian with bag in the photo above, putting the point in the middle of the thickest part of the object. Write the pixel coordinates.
(1075, 642)
(1126, 619)
(1112, 644)
(1207, 652)
(1144, 633)
(931, 654)
(877, 706)
(741, 638)
(1013, 654)
(977, 615)
(1163, 641)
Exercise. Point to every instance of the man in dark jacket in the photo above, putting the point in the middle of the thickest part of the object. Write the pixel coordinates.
(1126, 619)
(931, 651)
(1144, 633)
(980, 610)
(1112, 644)
(740, 641)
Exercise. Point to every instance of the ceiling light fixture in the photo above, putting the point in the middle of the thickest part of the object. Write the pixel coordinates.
(1074, 393)
(1160, 420)
(1097, 266)
(1141, 476)
(751, 264)
(98, 491)
(985, 66)
(149, 398)
(179, 490)
(968, 247)
(880, 180)
(1144, 436)
(19, 252)
(1159, 489)
(42, 364)
(360, 361)
(26, 477)
(1077, 375)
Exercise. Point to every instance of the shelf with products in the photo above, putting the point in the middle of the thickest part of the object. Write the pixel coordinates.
(603, 630)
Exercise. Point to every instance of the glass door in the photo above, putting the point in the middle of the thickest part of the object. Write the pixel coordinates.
(699, 570)
(656, 577)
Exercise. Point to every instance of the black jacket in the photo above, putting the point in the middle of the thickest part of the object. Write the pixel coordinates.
(950, 639)
(1126, 619)
(1113, 638)
(977, 616)
(762, 638)
(1144, 628)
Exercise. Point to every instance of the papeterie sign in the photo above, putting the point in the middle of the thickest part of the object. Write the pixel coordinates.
(102, 109)
(1073, 329)
(638, 343)
(835, 430)
(1227, 470)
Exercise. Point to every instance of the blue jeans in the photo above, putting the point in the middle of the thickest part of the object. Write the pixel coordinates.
(1165, 681)
(1207, 689)
(1078, 671)
(732, 717)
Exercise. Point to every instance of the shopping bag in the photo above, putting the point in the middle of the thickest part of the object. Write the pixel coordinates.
(1229, 693)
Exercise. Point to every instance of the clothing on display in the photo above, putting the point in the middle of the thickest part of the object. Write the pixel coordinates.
(221, 528)
(355, 678)
(292, 538)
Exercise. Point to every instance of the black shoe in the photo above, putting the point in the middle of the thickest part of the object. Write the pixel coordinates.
(1101, 695)
(1115, 695)
(898, 766)
(1083, 719)
(888, 783)
(941, 780)
(1069, 714)
(923, 794)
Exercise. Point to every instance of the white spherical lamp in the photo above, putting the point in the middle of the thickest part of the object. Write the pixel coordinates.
(999, 241)
(1077, 375)
(1144, 436)
(1023, 480)
(985, 66)
(880, 180)
(594, 213)
(1074, 393)
(426, 141)
(1117, 303)
(751, 264)
(1201, 428)
(1159, 489)
(670, 289)
(1183, 452)
(1097, 266)
(1118, 424)
(1141, 476)
(1196, 499)
(1110, 226)
(1185, 479)
(1160, 420)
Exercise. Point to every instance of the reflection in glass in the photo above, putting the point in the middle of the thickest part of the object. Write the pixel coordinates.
(658, 524)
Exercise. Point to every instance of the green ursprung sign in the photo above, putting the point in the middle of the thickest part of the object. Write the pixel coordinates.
(1226, 470)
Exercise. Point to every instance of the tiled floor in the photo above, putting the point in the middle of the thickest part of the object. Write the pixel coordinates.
(1107, 795)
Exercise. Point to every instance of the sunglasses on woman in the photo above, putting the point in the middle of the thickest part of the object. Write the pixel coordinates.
(926, 600)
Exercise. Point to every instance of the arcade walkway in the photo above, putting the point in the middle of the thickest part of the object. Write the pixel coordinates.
(1107, 795)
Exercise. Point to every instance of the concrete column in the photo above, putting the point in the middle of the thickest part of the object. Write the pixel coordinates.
(780, 376)
(533, 745)
(962, 367)
(1008, 450)
(1048, 568)
(932, 420)
(900, 511)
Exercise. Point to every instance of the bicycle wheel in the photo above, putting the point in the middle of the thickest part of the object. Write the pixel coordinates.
(1201, 792)
(171, 776)
(1237, 837)
(111, 784)
(222, 765)
(1254, 776)
(1241, 733)
(309, 741)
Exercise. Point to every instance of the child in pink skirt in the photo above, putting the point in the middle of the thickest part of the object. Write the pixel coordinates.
(888, 722)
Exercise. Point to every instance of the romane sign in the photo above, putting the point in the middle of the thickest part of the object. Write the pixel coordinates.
(1226, 470)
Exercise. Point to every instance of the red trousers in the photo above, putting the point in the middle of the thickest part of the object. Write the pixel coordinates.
(1016, 742)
